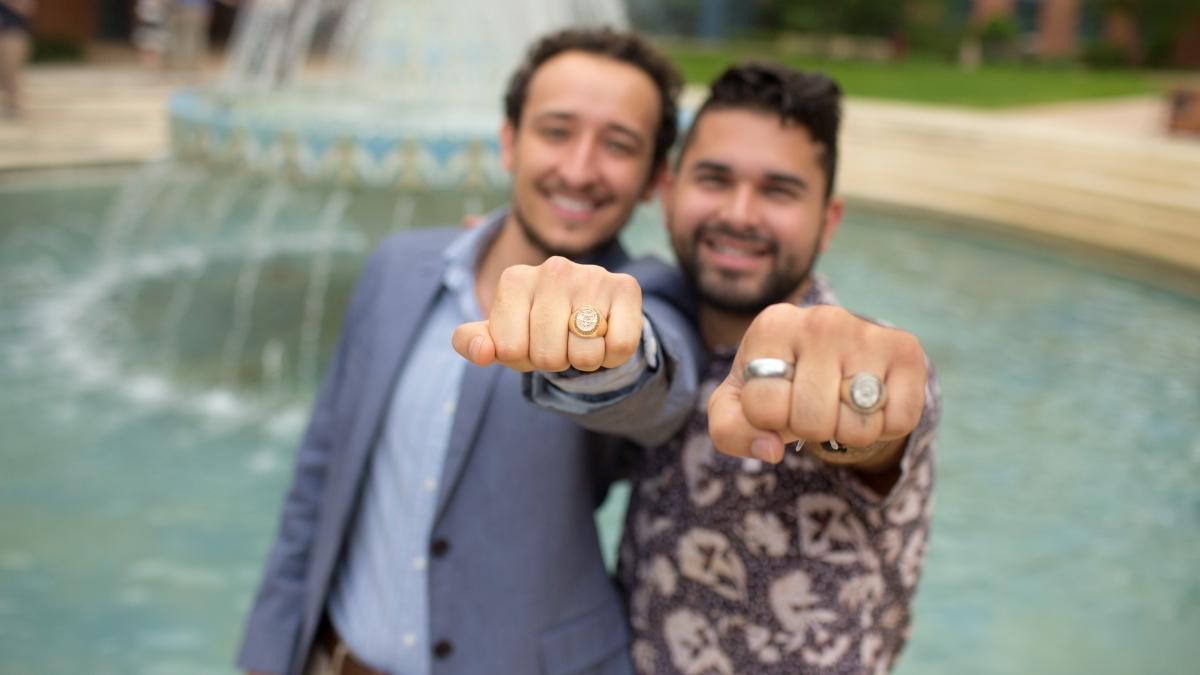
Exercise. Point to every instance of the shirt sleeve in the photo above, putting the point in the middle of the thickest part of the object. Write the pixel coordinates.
(916, 464)
(582, 391)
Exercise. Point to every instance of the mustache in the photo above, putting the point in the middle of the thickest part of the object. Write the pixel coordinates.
(750, 236)
(591, 192)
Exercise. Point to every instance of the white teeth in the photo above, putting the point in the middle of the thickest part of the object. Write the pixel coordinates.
(726, 250)
(570, 204)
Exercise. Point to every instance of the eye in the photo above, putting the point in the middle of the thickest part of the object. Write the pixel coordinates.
(620, 147)
(554, 133)
(711, 180)
(780, 193)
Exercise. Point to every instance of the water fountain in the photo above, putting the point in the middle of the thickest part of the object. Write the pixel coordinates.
(335, 122)
(186, 329)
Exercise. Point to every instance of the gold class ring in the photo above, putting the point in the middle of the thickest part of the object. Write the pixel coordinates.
(587, 322)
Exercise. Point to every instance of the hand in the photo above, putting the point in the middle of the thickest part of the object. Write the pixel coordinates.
(527, 329)
(827, 345)
(25, 8)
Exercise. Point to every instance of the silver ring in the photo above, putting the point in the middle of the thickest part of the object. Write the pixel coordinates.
(768, 368)
(863, 392)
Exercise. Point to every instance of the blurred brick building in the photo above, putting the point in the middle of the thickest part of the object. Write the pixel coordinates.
(1056, 28)
(82, 22)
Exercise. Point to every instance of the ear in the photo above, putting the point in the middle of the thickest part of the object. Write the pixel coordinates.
(666, 187)
(508, 139)
(833, 219)
(666, 194)
(656, 182)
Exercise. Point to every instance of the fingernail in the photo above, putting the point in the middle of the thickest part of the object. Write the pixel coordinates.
(474, 347)
(763, 449)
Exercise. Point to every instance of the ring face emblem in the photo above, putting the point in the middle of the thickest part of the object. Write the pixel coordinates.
(865, 393)
(587, 322)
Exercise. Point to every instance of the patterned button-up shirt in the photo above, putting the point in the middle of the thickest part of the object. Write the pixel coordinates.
(737, 566)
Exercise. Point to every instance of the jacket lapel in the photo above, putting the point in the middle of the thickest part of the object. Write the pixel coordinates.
(473, 398)
(391, 338)
(413, 279)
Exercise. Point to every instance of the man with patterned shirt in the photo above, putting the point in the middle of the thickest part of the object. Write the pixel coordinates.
(760, 560)
(739, 557)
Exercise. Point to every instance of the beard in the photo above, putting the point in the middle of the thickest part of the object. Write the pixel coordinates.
(539, 242)
(718, 288)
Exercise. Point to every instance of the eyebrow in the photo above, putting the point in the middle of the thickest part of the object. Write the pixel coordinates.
(771, 176)
(563, 116)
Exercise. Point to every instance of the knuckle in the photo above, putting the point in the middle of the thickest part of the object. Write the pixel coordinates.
(777, 316)
(545, 359)
(856, 436)
(764, 415)
(625, 283)
(515, 274)
(587, 362)
(623, 346)
(911, 411)
(509, 351)
(722, 428)
(820, 428)
(910, 349)
(825, 319)
(556, 267)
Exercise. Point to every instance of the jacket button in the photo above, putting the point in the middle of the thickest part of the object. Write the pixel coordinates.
(442, 649)
(439, 547)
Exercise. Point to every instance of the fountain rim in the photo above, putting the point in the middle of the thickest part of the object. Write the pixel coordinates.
(332, 148)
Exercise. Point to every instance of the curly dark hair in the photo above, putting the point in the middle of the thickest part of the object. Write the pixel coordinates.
(810, 100)
(624, 47)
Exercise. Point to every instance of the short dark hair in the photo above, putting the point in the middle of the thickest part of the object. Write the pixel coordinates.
(810, 100)
(620, 46)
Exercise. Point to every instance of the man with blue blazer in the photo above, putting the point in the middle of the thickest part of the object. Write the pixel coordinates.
(438, 522)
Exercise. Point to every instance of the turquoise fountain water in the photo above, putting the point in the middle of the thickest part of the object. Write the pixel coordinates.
(141, 477)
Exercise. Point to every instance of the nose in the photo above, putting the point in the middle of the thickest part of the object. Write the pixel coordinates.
(740, 208)
(579, 168)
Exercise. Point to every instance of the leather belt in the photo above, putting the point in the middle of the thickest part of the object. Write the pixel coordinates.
(341, 660)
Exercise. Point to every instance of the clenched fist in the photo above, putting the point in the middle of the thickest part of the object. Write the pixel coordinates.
(528, 327)
(802, 388)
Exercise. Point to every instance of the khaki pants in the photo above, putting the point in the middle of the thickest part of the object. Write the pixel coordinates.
(187, 28)
(14, 50)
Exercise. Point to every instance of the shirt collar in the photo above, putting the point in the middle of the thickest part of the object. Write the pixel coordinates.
(463, 253)
(462, 257)
(819, 293)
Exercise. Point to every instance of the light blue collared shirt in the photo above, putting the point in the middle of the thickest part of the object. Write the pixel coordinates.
(380, 597)
(379, 602)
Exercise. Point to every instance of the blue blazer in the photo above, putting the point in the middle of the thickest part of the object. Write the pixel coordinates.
(519, 585)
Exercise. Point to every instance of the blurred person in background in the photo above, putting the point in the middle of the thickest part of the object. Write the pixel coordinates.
(187, 28)
(150, 32)
(15, 38)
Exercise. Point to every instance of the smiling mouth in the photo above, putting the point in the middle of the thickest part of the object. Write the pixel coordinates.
(574, 208)
(737, 247)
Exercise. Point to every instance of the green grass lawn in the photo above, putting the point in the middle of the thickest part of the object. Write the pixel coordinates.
(924, 81)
